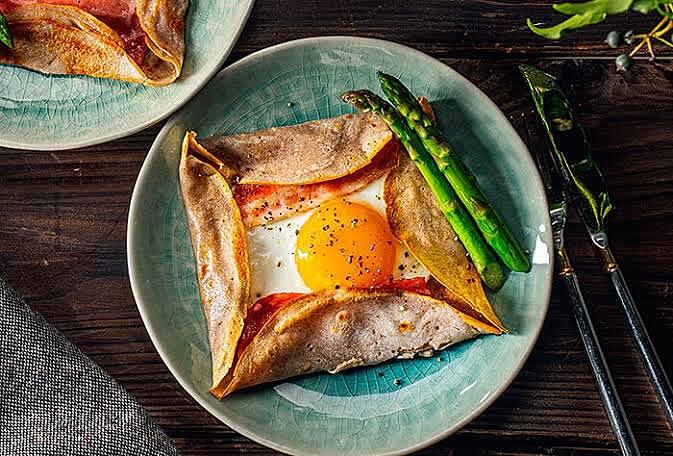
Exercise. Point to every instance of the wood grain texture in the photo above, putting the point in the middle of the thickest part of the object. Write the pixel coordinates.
(63, 231)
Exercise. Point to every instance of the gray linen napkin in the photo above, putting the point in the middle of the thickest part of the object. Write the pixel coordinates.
(55, 401)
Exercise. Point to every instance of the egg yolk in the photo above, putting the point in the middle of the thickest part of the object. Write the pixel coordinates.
(345, 245)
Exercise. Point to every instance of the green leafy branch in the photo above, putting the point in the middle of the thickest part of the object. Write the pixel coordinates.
(595, 11)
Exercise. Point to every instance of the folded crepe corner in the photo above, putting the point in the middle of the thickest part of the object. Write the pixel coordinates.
(66, 39)
(416, 219)
(333, 331)
(306, 153)
(221, 252)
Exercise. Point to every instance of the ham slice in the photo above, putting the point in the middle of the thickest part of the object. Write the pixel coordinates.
(260, 204)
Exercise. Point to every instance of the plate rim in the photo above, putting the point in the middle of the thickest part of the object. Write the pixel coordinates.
(135, 282)
(189, 95)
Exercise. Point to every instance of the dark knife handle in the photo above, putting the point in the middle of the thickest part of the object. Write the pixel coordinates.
(606, 386)
(651, 360)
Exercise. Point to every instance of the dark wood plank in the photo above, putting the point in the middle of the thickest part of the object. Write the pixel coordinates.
(446, 29)
(62, 245)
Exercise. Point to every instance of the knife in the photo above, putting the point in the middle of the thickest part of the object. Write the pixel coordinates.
(571, 155)
(606, 386)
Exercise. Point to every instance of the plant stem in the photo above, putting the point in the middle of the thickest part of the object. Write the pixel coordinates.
(665, 41)
(664, 25)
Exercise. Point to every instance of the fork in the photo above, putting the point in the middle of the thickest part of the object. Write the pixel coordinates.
(558, 215)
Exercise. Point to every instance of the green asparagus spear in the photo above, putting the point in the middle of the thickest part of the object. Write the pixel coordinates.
(483, 258)
(491, 225)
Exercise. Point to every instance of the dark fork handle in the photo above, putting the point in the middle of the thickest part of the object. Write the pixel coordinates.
(606, 386)
(639, 333)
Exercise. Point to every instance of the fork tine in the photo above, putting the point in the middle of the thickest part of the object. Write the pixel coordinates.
(547, 170)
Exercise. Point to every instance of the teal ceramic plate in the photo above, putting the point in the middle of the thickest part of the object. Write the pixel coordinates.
(63, 112)
(359, 412)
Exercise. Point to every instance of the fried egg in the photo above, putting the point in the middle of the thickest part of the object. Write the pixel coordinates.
(345, 242)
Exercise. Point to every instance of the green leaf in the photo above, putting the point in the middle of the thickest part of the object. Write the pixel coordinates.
(581, 15)
(647, 6)
(594, 6)
(557, 31)
(5, 33)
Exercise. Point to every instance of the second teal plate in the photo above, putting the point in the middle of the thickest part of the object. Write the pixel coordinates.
(44, 112)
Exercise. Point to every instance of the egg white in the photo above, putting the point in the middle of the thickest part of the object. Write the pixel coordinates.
(271, 248)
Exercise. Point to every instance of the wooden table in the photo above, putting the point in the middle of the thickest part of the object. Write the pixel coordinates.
(63, 227)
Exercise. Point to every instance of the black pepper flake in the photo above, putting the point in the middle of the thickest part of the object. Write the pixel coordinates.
(296, 232)
(371, 247)
(325, 228)
(278, 264)
(350, 259)
(401, 267)
(258, 295)
(337, 286)
(406, 254)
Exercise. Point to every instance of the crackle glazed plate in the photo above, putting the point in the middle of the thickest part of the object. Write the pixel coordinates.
(44, 112)
(361, 411)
